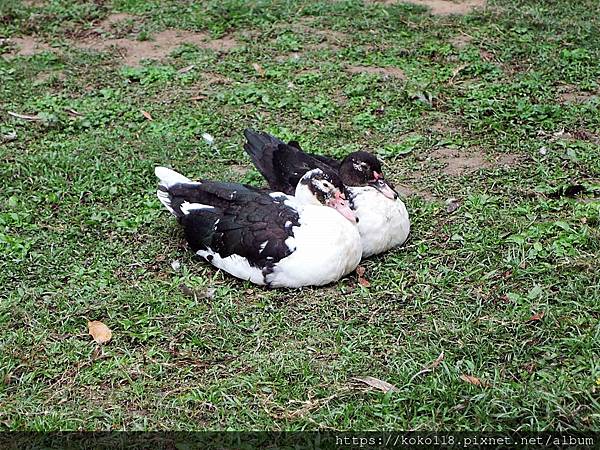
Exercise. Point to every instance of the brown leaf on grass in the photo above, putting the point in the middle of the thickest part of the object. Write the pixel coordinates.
(259, 70)
(437, 361)
(376, 383)
(72, 112)
(360, 271)
(473, 380)
(23, 116)
(536, 317)
(100, 332)
(147, 115)
(198, 97)
(186, 69)
(429, 368)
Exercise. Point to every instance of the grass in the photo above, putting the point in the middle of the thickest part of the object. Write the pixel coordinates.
(82, 236)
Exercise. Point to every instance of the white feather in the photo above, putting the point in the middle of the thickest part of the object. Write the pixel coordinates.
(169, 177)
(187, 207)
(327, 247)
(236, 265)
(383, 222)
(262, 247)
(165, 199)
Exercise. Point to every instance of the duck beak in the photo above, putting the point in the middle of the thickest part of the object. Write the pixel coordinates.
(382, 186)
(340, 204)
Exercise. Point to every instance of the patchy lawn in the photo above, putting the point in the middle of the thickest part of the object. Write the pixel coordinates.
(487, 118)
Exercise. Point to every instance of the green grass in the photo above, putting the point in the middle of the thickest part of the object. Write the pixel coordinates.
(82, 236)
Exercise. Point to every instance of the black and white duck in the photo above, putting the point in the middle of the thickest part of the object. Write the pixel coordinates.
(271, 239)
(383, 219)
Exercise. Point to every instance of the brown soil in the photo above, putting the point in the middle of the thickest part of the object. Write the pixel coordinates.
(441, 7)
(442, 126)
(215, 78)
(163, 43)
(131, 51)
(386, 72)
(28, 45)
(407, 191)
(460, 41)
(572, 94)
(293, 56)
(112, 19)
(458, 162)
(43, 77)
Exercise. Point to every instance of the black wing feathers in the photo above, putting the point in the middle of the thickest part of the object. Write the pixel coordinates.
(331, 162)
(239, 222)
(281, 164)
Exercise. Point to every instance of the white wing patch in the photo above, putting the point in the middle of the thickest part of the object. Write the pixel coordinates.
(291, 243)
(187, 207)
(262, 247)
(165, 199)
(235, 265)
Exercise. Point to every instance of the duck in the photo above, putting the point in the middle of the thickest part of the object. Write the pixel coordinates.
(268, 238)
(384, 222)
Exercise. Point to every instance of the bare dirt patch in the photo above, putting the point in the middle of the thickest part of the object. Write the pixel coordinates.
(445, 127)
(113, 19)
(212, 78)
(572, 94)
(386, 72)
(223, 44)
(408, 191)
(27, 46)
(441, 7)
(34, 3)
(460, 41)
(458, 162)
(44, 77)
(293, 56)
(163, 43)
(324, 46)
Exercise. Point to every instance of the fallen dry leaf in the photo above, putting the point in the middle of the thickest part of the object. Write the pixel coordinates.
(72, 112)
(473, 380)
(360, 271)
(187, 69)
(100, 332)
(259, 70)
(437, 361)
(536, 317)
(147, 115)
(429, 368)
(378, 384)
(23, 116)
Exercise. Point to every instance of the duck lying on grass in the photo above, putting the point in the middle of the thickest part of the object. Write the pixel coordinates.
(384, 222)
(271, 239)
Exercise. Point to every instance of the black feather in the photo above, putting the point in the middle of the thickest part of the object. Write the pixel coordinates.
(281, 164)
(240, 219)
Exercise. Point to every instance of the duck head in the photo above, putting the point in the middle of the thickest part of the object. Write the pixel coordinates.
(319, 187)
(360, 169)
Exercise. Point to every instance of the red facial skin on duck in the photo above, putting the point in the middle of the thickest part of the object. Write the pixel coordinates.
(382, 186)
(340, 204)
